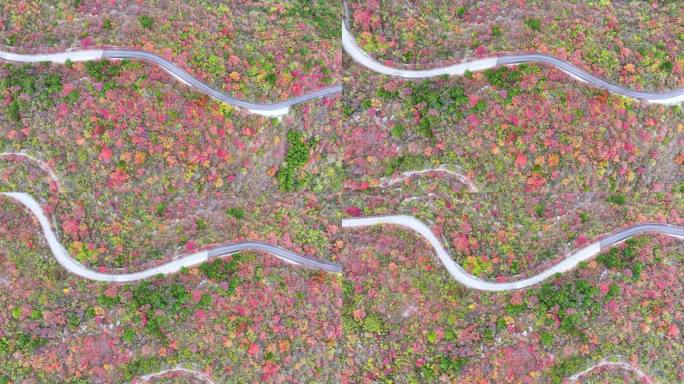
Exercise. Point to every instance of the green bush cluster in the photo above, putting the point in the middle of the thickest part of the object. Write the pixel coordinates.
(160, 304)
(620, 259)
(22, 342)
(572, 299)
(533, 24)
(323, 14)
(297, 156)
(103, 71)
(618, 199)
(224, 270)
(236, 212)
(146, 21)
(565, 368)
(40, 87)
(452, 366)
(508, 79)
(447, 101)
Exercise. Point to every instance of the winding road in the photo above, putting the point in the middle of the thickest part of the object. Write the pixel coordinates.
(474, 282)
(185, 261)
(352, 48)
(43, 165)
(386, 182)
(610, 363)
(184, 371)
(265, 109)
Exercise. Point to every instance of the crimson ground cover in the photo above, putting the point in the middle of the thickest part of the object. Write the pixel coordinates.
(150, 169)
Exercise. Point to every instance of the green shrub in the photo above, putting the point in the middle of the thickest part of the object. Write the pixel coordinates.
(297, 156)
(372, 324)
(159, 303)
(236, 212)
(128, 335)
(103, 71)
(324, 16)
(572, 299)
(40, 87)
(565, 368)
(533, 24)
(398, 131)
(452, 366)
(621, 259)
(546, 339)
(141, 366)
(617, 199)
(666, 66)
(160, 209)
(447, 101)
(222, 269)
(146, 21)
(507, 79)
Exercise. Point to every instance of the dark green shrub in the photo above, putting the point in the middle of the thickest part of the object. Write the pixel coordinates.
(146, 21)
(617, 199)
(533, 24)
(236, 212)
(297, 156)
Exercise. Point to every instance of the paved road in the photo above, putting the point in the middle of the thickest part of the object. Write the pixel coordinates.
(470, 281)
(186, 261)
(619, 363)
(351, 47)
(161, 374)
(265, 109)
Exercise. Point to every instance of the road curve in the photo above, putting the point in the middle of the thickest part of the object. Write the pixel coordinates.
(264, 109)
(41, 164)
(386, 182)
(616, 364)
(185, 261)
(471, 281)
(352, 48)
(187, 372)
